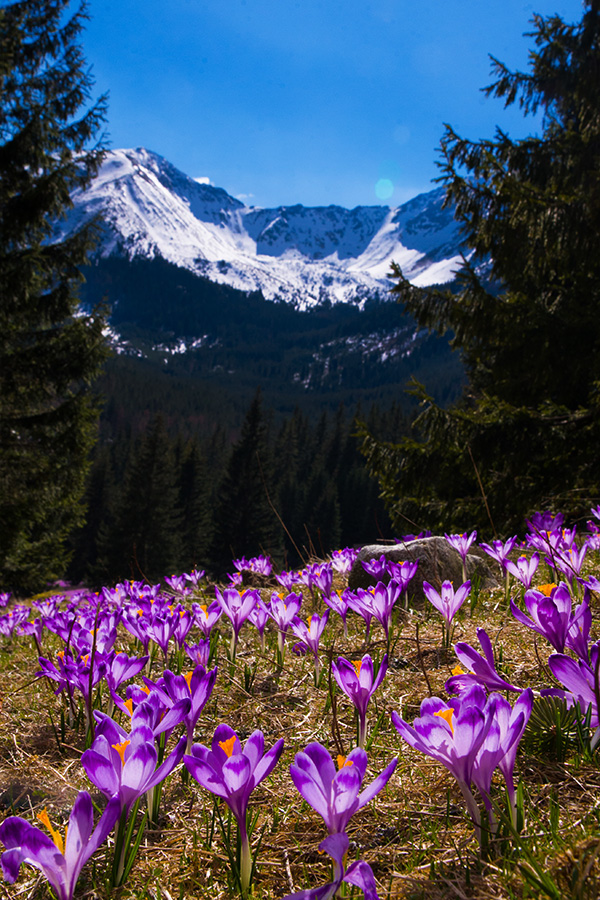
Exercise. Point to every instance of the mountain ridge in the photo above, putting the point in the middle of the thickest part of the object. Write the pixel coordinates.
(301, 255)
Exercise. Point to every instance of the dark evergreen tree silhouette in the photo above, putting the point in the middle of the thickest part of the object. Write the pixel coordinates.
(526, 318)
(244, 521)
(146, 541)
(48, 355)
(194, 502)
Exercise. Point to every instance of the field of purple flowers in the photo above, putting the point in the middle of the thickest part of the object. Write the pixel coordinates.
(283, 736)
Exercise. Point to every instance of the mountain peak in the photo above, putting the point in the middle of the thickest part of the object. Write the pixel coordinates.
(298, 254)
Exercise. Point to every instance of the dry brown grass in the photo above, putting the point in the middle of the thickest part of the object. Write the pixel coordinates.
(415, 834)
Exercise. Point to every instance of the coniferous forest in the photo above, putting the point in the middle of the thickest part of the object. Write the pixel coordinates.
(246, 442)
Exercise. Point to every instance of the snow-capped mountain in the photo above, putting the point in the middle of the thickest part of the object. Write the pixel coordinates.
(302, 255)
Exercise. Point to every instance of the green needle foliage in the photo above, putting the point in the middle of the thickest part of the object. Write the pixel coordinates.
(48, 352)
(525, 315)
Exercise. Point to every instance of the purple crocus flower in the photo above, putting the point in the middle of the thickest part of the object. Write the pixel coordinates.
(375, 567)
(127, 768)
(335, 794)
(120, 668)
(569, 561)
(357, 682)
(232, 772)
(364, 608)
(195, 576)
(59, 859)
(176, 583)
(480, 669)
(550, 615)
(206, 616)
(343, 560)
(310, 633)
(321, 577)
(184, 621)
(161, 628)
(461, 542)
(499, 750)
(338, 601)
(259, 616)
(452, 733)
(288, 579)
(402, 572)
(448, 601)
(283, 611)
(237, 608)
(580, 678)
(499, 550)
(382, 599)
(199, 653)
(578, 634)
(359, 873)
(195, 686)
(524, 569)
(544, 522)
(13, 619)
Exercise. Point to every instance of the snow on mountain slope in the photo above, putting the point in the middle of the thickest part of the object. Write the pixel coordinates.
(302, 255)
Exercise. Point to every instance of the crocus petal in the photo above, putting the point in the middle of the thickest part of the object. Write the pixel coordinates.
(205, 775)
(361, 875)
(236, 773)
(101, 772)
(81, 842)
(266, 765)
(311, 790)
(27, 844)
(377, 784)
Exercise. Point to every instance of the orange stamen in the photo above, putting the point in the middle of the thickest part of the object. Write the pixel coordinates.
(227, 746)
(343, 762)
(458, 670)
(446, 714)
(357, 665)
(188, 678)
(121, 748)
(54, 834)
(546, 589)
(129, 706)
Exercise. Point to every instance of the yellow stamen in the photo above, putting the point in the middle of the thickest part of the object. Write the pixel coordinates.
(54, 834)
(458, 670)
(61, 654)
(343, 762)
(188, 678)
(308, 621)
(227, 746)
(546, 589)
(129, 706)
(121, 748)
(446, 714)
(203, 608)
(357, 666)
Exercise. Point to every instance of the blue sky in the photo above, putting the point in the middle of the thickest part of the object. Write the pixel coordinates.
(307, 101)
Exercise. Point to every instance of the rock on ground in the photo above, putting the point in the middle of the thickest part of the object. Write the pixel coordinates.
(438, 562)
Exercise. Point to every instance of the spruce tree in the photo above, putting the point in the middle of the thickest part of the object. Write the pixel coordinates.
(49, 353)
(244, 521)
(526, 317)
(194, 502)
(146, 541)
